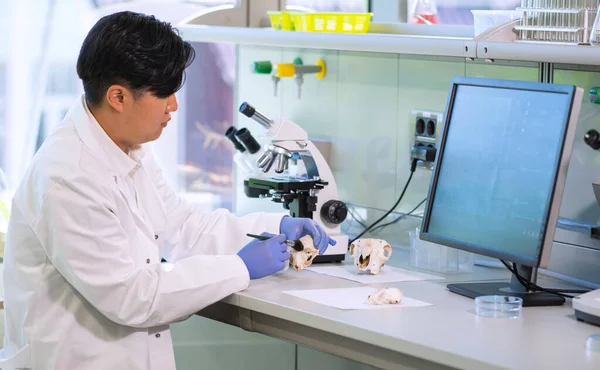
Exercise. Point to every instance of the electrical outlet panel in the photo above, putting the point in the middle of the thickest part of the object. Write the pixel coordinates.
(425, 127)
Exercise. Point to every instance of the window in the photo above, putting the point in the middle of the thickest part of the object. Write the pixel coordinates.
(206, 156)
(331, 5)
(448, 11)
(459, 11)
(194, 158)
(2, 115)
(27, 57)
(106, 3)
(62, 79)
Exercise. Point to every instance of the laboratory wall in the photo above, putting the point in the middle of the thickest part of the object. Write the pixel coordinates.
(364, 108)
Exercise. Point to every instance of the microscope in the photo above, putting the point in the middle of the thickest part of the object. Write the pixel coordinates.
(295, 174)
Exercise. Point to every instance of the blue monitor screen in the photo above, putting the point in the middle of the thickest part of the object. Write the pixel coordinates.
(498, 168)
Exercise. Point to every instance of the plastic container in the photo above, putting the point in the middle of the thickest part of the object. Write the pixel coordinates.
(4, 213)
(321, 22)
(282, 20)
(592, 344)
(594, 39)
(5, 198)
(486, 19)
(547, 21)
(505, 307)
(2, 243)
(438, 258)
(423, 12)
(332, 22)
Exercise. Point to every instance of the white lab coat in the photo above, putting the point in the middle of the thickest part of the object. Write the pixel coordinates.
(84, 286)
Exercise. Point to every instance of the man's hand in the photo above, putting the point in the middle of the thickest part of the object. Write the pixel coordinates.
(265, 257)
(294, 228)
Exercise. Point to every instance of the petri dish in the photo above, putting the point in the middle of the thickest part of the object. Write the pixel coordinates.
(593, 343)
(498, 306)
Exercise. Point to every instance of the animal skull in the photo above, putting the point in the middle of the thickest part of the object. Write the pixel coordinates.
(385, 295)
(370, 255)
(303, 259)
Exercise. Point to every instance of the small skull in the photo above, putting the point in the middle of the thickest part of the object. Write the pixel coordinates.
(303, 259)
(370, 255)
(385, 295)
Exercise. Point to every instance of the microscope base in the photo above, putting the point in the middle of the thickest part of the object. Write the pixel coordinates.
(330, 258)
(335, 253)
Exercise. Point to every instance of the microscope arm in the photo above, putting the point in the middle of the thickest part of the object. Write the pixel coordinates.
(330, 211)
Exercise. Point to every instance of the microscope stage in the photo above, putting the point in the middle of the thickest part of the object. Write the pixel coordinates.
(285, 184)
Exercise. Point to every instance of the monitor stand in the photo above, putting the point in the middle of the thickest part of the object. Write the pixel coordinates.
(514, 289)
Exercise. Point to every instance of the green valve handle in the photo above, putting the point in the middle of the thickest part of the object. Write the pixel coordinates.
(594, 98)
(262, 67)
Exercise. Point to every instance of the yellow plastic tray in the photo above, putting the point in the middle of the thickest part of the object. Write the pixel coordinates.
(333, 22)
(281, 21)
(321, 22)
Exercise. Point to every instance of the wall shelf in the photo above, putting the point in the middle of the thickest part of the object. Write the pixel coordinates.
(502, 43)
(539, 52)
(370, 42)
(498, 43)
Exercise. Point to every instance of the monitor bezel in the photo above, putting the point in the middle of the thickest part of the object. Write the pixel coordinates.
(542, 255)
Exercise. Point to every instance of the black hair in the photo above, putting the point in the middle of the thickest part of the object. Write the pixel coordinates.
(135, 50)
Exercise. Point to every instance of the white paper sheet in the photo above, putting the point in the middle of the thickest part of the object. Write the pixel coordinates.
(389, 274)
(351, 298)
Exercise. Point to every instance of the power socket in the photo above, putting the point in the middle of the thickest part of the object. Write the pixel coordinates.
(424, 128)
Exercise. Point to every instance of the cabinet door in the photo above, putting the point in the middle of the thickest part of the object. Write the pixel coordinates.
(206, 344)
(310, 359)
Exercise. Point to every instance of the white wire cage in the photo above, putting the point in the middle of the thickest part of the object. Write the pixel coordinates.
(557, 21)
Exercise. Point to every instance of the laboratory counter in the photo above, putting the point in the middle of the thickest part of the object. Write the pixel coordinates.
(445, 335)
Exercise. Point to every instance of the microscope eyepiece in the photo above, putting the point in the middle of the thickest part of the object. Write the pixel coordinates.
(592, 138)
(247, 110)
(247, 140)
(230, 134)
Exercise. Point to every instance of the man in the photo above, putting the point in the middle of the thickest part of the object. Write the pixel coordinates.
(93, 217)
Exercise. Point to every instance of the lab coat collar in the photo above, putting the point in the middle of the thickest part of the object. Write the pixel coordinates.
(116, 161)
(94, 136)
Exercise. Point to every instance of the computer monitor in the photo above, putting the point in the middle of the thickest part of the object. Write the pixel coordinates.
(499, 176)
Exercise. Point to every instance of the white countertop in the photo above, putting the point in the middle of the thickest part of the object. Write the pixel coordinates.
(447, 333)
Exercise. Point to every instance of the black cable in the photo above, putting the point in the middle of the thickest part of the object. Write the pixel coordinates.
(399, 217)
(528, 285)
(413, 167)
(532, 286)
(549, 290)
(355, 217)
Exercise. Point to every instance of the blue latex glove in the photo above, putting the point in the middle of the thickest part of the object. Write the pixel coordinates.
(295, 227)
(265, 257)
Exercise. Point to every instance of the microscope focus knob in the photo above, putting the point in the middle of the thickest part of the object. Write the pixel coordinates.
(592, 138)
(334, 211)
